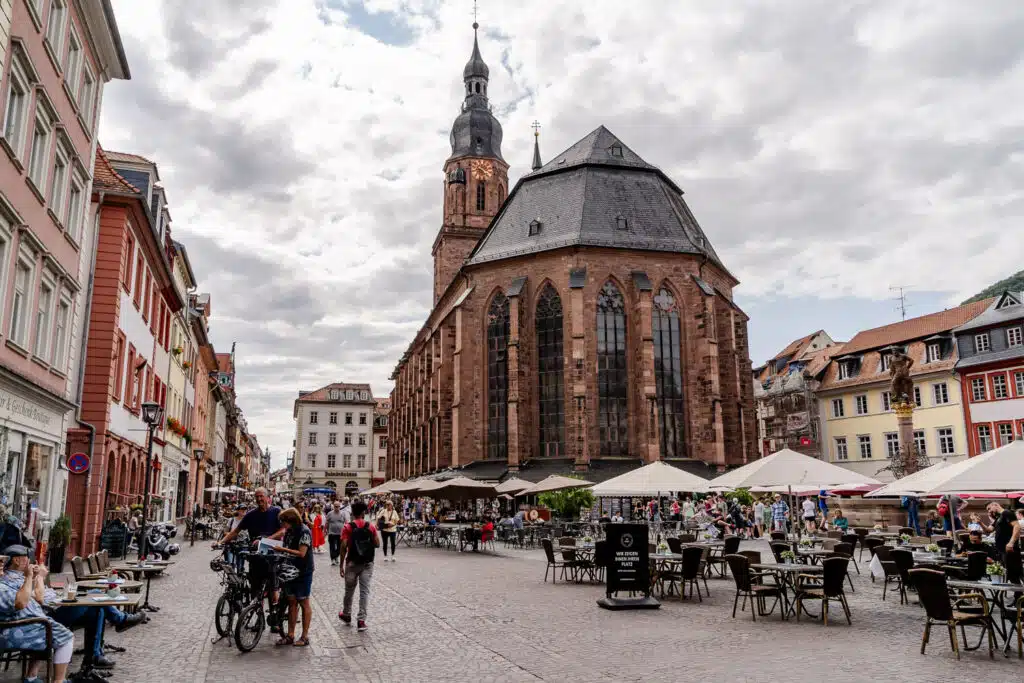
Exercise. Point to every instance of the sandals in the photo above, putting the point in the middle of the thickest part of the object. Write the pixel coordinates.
(285, 640)
(301, 642)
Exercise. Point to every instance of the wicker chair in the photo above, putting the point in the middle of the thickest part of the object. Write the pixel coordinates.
(892, 574)
(904, 561)
(845, 550)
(27, 656)
(691, 572)
(853, 540)
(748, 587)
(940, 609)
(553, 562)
(828, 586)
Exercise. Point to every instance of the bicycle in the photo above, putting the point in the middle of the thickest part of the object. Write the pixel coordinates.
(236, 592)
(252, 619)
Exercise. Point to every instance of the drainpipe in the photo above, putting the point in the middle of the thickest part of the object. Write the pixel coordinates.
(79, 390)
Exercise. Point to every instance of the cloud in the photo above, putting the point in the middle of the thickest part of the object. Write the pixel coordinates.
(827, 152)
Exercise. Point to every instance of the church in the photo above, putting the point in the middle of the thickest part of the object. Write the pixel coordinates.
(582, 321)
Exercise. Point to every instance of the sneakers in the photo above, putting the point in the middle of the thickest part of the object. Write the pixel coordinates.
(345, 619)
(361, 626)
(130, 621)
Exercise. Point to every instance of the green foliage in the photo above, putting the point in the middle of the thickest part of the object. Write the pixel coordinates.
(60, 534)
(743, 495)
(567, 502)
(1014, 283)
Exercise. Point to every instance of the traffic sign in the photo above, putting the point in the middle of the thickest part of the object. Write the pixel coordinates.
(78, 463)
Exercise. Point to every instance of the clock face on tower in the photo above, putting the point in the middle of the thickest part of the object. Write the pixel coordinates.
(482, 169)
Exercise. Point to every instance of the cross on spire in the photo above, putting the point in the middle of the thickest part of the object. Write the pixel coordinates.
(536, 128)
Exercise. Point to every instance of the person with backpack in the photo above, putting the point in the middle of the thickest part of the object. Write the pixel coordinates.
(359, 541)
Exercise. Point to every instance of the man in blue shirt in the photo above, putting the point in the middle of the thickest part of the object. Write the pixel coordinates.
(260, 523)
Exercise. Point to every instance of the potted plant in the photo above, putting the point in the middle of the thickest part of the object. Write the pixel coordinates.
(787, 556)
(904, 539)
(932, 547)
(663, 548)
(806, 543)
(996, 573)
(186, 365)
(588, 539)
(60, 538)
(177, 350)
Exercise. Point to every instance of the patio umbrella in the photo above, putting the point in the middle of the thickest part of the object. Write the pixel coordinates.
(912, 484)
(788, 470)
(459, 488)
(219, 489)
(997, 471)
(386, 487)
(513, 486)
(555, 482)
(651, 480)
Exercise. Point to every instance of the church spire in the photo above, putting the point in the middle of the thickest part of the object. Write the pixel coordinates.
(476, 132)
(475, 75)
(536, 146)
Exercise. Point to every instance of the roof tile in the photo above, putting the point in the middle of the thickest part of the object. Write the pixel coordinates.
(915, 328)
(106, 179)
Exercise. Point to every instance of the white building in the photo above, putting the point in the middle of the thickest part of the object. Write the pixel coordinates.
(334, 438)
(380, 440)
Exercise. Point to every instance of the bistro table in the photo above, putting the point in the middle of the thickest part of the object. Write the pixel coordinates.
(129, 603)
(998, 593)
(787, 573)
(126, 586)
(147, 570)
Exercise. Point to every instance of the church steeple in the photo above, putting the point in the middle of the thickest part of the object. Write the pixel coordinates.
(476, 132)
(536, 146)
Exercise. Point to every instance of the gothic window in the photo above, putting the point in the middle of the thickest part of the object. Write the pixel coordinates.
(497, 378)
(481, 195)
(611, 370)
(668, 374)
(550, 360)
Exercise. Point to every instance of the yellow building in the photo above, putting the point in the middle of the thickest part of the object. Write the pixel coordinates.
(858, 425)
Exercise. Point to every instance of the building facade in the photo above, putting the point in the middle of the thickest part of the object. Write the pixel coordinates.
(208, 394)
(786, 408)
(991, 369)
(858, 424)
(591, 339)
(333, 435)
(57, 56)
(379, 444)
(132, 305)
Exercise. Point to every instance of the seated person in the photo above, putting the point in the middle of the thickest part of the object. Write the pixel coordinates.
(839, 522)
(975, 544)
(487, 530)
(23, 594)
(933, 525)
(975, 523)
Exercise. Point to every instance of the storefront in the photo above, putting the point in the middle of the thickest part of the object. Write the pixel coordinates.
(33, 479)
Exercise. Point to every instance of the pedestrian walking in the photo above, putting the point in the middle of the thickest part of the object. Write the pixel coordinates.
(318, 528)
(359, 541)
(388, 522)
(335, 523)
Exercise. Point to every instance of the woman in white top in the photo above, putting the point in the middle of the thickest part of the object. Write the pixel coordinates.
(809, 511)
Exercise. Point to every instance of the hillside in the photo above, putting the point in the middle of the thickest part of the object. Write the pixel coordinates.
(1014, 283)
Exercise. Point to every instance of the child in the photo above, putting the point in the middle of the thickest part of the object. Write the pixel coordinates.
(839, 522)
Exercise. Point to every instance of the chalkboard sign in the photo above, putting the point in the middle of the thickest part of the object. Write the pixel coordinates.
(114, 538)
(628, 559)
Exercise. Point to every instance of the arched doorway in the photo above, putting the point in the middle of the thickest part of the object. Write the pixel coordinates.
(331, 485)
(351, 488)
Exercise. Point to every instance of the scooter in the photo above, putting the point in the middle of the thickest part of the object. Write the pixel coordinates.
(158, 542)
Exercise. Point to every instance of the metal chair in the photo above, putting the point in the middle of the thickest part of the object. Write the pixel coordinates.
(940, 609)
(828, 586)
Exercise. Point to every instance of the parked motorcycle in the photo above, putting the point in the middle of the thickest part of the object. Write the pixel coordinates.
(158, 541)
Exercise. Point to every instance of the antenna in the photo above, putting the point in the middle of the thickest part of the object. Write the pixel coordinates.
(902, 304)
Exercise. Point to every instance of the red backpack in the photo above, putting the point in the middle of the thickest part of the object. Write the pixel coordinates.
(943, 509)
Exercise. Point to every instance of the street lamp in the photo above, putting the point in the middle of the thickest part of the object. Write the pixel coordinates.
(198, 453)
(152, 414)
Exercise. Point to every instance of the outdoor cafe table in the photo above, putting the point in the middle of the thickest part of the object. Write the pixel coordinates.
(126, 586)
(814, 554)
(997, 593)
(787, 573)
(127, 602)
(148, 570)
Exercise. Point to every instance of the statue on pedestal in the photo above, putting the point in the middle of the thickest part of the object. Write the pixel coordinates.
(902, 385)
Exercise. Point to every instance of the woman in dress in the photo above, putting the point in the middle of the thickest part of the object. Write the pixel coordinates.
(319, 537)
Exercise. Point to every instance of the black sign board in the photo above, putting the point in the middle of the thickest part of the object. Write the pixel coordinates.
(628, 559)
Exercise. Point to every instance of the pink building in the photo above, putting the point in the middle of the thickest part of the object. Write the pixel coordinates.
(57, 55)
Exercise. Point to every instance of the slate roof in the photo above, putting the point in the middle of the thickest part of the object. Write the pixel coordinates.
(995, 316)
(580, 198)
(915, 328)
(992, 357)
(106, 178)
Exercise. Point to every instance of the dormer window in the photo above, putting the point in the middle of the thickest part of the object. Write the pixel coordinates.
(884, 362)
(1013, 337)
(535, 227)
(615, 151)
(934, 352)
(1007, 301)
(621, 223)
(844, 370)
(982, 343)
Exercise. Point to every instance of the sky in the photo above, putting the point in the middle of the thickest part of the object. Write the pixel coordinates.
(829, 150)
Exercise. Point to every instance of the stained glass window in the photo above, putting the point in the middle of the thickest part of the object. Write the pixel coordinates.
(550, 373)
(668, 374)
(611, 371)
(497, 378)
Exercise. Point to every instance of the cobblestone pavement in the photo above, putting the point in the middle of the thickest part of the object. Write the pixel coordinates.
(438, 615)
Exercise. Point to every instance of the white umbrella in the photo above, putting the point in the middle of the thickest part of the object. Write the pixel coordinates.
(651, 480)
(219, 489)
(513, 485)
(997, 471)
(786, 470)
(555, 482)
(459, 488)
(912, 484)
(390, 486)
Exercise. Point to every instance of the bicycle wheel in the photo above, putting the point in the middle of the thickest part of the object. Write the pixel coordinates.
(224, 615)
(249, 627)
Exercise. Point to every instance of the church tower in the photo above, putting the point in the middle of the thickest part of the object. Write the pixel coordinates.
(475, 175)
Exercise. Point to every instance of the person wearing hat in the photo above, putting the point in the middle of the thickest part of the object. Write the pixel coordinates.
(23, 592)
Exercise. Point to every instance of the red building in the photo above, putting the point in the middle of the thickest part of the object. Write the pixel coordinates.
(133, 299)
(991, 368)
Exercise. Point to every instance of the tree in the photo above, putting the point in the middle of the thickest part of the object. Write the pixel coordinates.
(1014, 283)
(567, 502)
